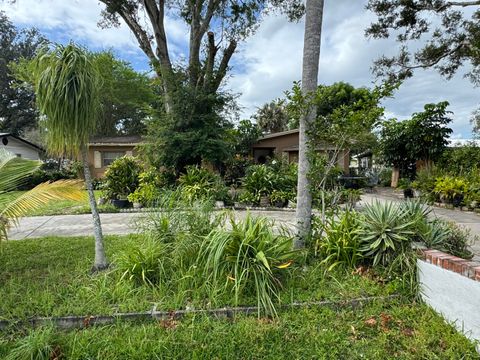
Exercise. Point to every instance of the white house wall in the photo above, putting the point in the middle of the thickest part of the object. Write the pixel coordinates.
(17, 147)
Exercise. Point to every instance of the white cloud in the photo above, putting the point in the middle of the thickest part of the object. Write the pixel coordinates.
(266, 64)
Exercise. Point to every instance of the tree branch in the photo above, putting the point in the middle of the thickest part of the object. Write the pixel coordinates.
(222, 68)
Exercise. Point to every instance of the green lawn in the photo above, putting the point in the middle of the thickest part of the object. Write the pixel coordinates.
(67, 207)
(50, 276)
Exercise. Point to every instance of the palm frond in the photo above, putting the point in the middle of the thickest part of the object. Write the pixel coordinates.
(38, 196)
(14, 170)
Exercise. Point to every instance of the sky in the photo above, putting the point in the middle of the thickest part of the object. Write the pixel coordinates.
(267, 63)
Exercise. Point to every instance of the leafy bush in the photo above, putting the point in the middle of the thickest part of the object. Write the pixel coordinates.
(450, 188)
(449, 237)
(385, 232)
(200, 183)
(150, 185)
(122, 177)
(337, 239)
(141, 263)
(249, 257)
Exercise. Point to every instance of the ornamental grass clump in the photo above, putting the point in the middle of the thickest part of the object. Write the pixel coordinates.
(250, 258)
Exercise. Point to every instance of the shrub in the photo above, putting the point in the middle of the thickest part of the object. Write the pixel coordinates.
(337, 239)
(450, 189)
(122, 177)
(199, 183)
(249, 257)
(385, 232)
(150, 185)
(449, 237)
(259, 181)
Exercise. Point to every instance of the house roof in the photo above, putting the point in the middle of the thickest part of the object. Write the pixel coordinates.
(278, 134)
(2, 135)
(116, 140)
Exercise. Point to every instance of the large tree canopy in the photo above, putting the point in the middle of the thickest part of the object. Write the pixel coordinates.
(17, 106)
(215, 25)
(451, 30)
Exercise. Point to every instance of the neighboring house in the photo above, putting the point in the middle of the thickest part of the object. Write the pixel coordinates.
(285, 143)
(102, 151)
(20, 147)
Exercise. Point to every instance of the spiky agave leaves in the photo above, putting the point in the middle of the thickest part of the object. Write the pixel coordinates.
(67, 87)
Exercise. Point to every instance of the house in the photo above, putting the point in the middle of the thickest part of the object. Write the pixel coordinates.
(20, 147)
(285, 144)
(103, 150)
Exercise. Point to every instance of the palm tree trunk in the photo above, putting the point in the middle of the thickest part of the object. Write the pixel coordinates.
(311, 57)
(100, 257)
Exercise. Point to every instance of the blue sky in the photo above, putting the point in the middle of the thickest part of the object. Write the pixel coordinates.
(267, 63)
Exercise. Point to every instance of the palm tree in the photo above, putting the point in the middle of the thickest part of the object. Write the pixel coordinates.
(272, 117)
(311, 58)
(14, 171)
(67, 88)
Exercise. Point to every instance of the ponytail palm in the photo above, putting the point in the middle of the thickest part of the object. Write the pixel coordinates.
(67, 88)
(13, 171)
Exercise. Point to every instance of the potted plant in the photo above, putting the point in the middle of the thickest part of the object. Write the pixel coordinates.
(451, 190)
(405, 185)
(279, 198)
(121, 180)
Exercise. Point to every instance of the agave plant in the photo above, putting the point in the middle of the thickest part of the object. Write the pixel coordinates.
(14, 171)
(386, 231)
(249, 257)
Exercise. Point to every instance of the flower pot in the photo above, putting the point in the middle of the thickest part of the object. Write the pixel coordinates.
(137, 205)
(279, 203)
(264, 201)
(121, 203)
(407, 193)
(457, 200)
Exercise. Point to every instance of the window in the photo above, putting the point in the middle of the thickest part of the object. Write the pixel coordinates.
(109, 156)
(19, 155)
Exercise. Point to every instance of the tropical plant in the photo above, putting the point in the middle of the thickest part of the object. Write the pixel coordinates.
(122, 177)
(67, 88)
(272, 117)
(200, 183)
(385, 232)
(249, 257)
(449, 188)
(337, 240)
(14, 171)
(259, 181)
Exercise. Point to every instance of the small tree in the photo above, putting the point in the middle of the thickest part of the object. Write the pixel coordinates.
(67, 85)
(423, 137)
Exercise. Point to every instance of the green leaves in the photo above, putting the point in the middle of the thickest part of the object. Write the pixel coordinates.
(67, 87)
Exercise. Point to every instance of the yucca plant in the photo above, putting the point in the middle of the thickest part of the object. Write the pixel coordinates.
(385, 232)
(249, 257)
(13, 172)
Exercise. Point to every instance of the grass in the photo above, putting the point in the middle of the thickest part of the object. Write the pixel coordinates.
(50, 277)
(67, 207)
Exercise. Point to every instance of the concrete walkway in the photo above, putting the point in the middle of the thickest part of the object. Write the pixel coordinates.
(112, 224)
(124, 223)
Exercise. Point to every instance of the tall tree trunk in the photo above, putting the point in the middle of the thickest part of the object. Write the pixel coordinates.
(100, 257)
(311, 57)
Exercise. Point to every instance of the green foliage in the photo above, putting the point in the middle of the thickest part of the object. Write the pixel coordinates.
(141, 263)
(449, 237)
(423, 137)
(385, 232)
(449, 188)
(460, 160)
(67, 88)
(272, 117)
(235, 169)
(199, 183)
(16, 44)
(39, 344)
(126, 96)
(277, 178)
(337, 240)
(122, 177)
(151, 182)
(245, 135)
(249, 257)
